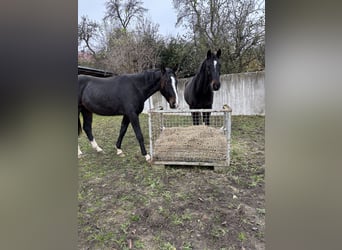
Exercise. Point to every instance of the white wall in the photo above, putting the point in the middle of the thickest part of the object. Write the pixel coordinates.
(244, 93)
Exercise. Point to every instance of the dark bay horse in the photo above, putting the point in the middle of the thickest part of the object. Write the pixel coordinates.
(198, 91)
(123, 95)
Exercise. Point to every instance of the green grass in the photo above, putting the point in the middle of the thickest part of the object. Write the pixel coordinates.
(125, 200)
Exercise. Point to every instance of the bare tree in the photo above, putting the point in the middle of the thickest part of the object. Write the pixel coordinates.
(129, 50)
(87, 33)
(136, 50)
(148, 41)
(246, 33)
(124, 12)
(235, 26)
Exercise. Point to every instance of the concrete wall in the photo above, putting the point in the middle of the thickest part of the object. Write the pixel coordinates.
(244, 93)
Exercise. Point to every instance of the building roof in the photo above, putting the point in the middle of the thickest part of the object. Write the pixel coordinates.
(82, 70)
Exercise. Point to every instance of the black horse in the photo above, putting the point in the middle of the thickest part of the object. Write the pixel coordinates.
(198, 91)
(123, 95)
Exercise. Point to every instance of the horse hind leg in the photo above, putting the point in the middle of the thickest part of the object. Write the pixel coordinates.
(134, 119)
(87, 122)
(79, 125)
(79, 153)
(123, 129)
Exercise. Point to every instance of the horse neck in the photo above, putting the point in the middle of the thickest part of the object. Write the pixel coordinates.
(202, 80)
(151, 83)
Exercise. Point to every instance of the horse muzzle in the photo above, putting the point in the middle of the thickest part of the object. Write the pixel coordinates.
(173, 104)
(215, 85)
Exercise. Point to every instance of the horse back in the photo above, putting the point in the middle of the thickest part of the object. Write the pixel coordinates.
(109, 96)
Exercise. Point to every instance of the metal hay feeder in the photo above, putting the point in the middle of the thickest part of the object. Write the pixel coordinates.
(174, 140)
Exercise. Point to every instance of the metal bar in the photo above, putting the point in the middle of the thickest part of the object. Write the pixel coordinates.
(229, 130)
(191, 163)
(190, 110)
(150, 126)
(161, 117)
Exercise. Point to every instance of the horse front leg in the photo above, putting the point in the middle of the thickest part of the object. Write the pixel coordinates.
(137, 130)
(196, 118)
(87, 122)
(123, 129)
(206, 118)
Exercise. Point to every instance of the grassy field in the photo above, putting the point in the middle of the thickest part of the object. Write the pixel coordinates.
(125, 203)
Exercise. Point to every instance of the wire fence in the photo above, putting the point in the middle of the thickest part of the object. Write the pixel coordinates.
(174, 140)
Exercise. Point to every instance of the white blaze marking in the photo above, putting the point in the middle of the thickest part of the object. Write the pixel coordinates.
(173, 83)
(215, 63)
(95, 146)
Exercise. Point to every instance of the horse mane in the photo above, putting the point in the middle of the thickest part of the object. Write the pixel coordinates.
(200, 74)
(150, 74)
(201, 67)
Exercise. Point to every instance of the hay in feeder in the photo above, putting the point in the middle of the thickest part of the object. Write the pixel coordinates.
(193, 143)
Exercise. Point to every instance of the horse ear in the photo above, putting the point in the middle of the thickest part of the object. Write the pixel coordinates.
(162, 68)
(209, 54)
(175, 68)
(218, 54)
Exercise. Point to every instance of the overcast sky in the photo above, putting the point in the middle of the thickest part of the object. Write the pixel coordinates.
(159, 11)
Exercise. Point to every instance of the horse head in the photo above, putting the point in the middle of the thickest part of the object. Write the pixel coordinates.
(212, 64)
(169, 86)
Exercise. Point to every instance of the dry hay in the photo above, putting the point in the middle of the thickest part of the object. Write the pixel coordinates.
(193, 144)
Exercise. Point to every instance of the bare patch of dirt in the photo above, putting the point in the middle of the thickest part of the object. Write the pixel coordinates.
(125, 203)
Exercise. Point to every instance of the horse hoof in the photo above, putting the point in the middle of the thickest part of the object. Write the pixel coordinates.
(148, 158)
(119, 152)
(95, 146)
